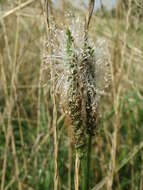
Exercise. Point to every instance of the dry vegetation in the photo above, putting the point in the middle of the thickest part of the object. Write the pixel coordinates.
(36, 142)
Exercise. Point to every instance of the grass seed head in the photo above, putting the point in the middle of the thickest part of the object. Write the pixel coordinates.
(82, 73)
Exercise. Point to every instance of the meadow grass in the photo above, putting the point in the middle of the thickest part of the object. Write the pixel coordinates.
(27, 119)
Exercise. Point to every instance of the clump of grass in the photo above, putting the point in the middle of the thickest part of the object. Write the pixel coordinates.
(117, 148)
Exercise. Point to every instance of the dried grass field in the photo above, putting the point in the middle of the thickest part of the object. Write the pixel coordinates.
(41, 146)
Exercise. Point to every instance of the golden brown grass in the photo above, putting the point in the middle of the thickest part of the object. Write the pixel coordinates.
(36, 148)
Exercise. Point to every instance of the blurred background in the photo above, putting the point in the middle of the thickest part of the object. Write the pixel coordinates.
(109, 4)
(27, 140)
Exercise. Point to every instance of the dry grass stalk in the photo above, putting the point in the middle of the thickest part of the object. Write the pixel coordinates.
(77, 165)
(54, 124)
(116, 95)
(130, 157)
(20, 6)
(9, 108)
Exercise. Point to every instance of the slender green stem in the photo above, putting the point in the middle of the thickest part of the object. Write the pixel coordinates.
(86, 166)
(69, 42)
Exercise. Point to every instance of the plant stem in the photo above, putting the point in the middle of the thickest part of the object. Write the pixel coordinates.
(86, 166)
(77, 164)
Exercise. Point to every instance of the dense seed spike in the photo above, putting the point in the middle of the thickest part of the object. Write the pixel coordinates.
(82, 74)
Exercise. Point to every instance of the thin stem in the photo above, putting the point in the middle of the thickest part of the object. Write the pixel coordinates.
(89, 13)
(89, 159)
(77, 164)
(86, 166)
(20, 6)
(54, 123)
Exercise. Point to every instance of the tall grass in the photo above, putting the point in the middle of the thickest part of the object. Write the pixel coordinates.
(27, 119)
